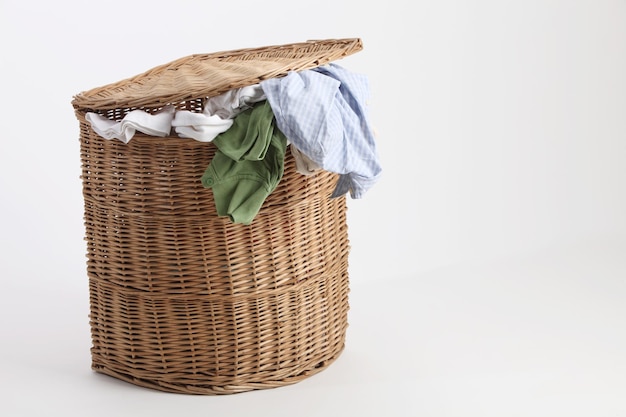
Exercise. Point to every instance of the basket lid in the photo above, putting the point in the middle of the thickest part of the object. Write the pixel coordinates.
(206, 75)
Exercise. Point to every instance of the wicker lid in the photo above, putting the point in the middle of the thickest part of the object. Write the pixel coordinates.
(206, 75)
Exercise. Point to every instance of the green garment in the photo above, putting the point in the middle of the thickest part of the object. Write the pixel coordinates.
(248, 164)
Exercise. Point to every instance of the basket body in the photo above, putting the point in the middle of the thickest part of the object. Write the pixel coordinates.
(182, 300)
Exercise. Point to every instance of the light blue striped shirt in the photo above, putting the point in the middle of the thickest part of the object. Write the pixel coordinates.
(323, 113)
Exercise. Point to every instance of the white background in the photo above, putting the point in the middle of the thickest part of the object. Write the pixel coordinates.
(488, 265)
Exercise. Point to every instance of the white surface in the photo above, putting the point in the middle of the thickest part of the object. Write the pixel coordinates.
(488, 266)
(539, 335)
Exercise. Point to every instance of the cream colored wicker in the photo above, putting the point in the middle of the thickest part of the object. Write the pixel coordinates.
(182, 300)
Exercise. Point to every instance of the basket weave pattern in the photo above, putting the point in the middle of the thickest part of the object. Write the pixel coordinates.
(184, 301)
(206, 75)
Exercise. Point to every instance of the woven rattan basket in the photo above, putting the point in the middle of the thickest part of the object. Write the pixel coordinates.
(182, 300)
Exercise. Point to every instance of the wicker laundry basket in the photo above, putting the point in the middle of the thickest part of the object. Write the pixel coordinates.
(182, 300)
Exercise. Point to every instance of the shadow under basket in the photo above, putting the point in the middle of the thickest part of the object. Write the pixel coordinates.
(185, 301)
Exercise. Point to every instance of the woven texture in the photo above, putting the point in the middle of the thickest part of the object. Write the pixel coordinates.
(207, 75)
(184, 301)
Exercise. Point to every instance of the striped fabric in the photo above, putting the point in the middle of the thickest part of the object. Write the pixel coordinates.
(323, 113)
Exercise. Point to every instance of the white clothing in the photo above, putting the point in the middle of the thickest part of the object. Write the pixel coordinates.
(304, 164)
(199, 126)
(233, 102)
(216, 117)
(154, 124)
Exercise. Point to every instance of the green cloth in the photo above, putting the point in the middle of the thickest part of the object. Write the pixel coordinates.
(248, 164)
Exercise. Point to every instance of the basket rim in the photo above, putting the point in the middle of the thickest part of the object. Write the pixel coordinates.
(199, 76)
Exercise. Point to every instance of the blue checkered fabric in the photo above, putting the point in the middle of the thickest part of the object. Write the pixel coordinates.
(323, 113)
